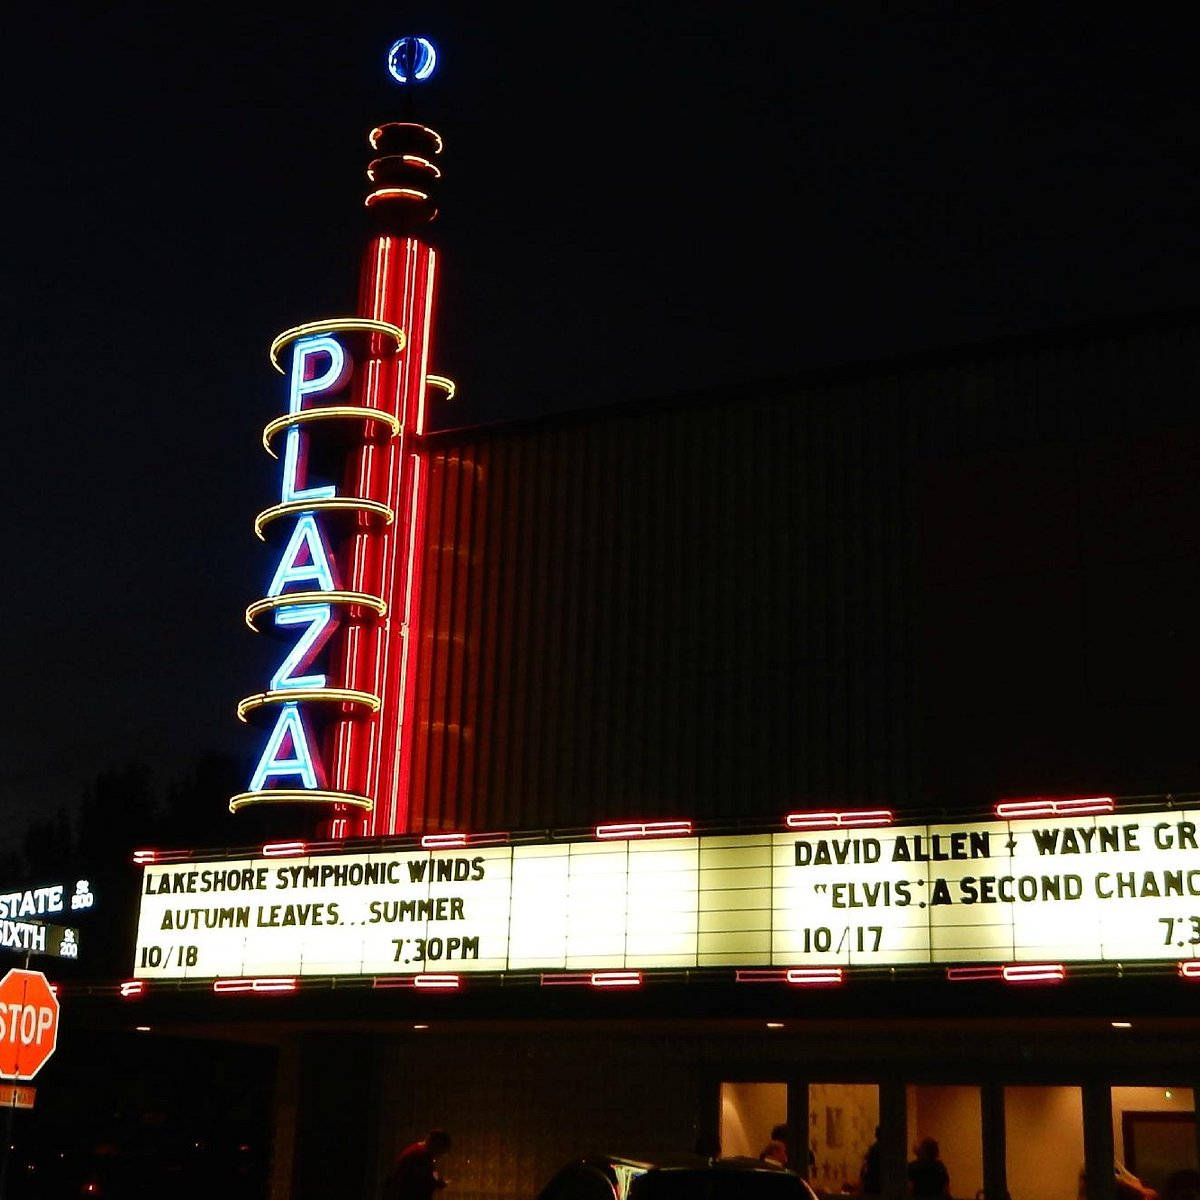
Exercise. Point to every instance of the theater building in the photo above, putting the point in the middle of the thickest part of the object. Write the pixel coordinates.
(818, 752)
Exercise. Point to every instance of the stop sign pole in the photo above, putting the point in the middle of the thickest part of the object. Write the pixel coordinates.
(28, 1036)
(28, 1024)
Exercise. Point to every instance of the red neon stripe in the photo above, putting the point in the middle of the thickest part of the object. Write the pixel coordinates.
(595, 979)
(1189, 970)
(759, 975)
(1091, 804)
(616, 979)
(850, 819)
(426, 983)
(443, 841)
(1025, 808)
(567, 979)
(1046, 806)
(259, 985)
(968, 974)
(145, 858)
(816, 976)
(1034, 973)
(640, 829)
(133, 988)
(284, 849)
(437, 983)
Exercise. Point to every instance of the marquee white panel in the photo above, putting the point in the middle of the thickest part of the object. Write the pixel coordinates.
(1116, 888)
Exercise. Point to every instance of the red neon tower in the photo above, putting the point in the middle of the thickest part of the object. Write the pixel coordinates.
(397, 282)
(371, 524)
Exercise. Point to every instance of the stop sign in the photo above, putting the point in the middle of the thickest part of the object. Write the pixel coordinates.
(28, 1023)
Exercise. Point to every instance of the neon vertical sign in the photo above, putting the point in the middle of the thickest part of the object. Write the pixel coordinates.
(346, 585)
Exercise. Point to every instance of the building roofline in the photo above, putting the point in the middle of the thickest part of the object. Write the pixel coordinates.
(844, 371)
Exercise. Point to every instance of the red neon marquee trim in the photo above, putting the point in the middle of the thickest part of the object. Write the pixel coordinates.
(816, 976)
(131, 989)
(759, 975)
(425, 983)
(616, 979)
(258, 985)
(640, 829)
(969, 974)
(439, 841)
(437, 983)
(1034, 973)
(443, 841)
(1009, 973)
(794, 976)
(594, 979)
(1189, 970)
(1045, 806)
(284, 849)
(862, 818)
(145, 858)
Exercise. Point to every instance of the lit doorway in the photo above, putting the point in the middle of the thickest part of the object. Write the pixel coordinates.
(1043, 1142)
(1154, 1140)
(952, 1116)
(842, 1120)
(749, 1111)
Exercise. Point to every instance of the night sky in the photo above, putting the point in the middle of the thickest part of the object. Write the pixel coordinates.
(640, 200)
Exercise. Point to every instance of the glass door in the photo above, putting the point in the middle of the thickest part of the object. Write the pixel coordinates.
(1044, 1142)
(945, 1125)
(750, 1115)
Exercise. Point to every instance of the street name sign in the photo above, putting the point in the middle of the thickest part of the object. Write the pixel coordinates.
(36, 937)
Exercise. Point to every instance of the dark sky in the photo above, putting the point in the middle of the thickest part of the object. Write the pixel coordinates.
(640, 199)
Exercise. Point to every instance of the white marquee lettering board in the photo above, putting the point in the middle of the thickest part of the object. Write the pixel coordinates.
(1117, 887)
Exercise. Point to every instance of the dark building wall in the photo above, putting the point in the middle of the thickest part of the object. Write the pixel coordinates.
(924, 582)
(520, 1105)
(1060, 567)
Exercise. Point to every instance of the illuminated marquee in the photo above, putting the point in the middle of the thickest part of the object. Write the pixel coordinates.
(345, 590)
(1107, 888)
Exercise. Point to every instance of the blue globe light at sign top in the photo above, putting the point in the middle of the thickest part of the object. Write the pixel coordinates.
(411, 59)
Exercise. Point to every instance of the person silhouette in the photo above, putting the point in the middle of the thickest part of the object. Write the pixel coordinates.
(869, 1177)
(415, 1175)
(927, 1174)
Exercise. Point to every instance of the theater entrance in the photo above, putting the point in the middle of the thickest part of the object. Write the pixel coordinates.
(993, 1141)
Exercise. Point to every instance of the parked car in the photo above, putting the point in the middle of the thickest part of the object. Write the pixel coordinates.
(676, 1177)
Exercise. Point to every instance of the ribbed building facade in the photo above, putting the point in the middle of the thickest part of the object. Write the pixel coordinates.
(920, 584)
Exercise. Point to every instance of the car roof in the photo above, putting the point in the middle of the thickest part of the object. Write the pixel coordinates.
(623, 1170)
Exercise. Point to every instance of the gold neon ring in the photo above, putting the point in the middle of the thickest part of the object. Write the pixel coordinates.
(333, 325)
(251, 704)
(447, 386)
(416, 161)
(299, 796)
(329, 412)
(384, 194)
(331, 504)
(377, 604)
(379, 130)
